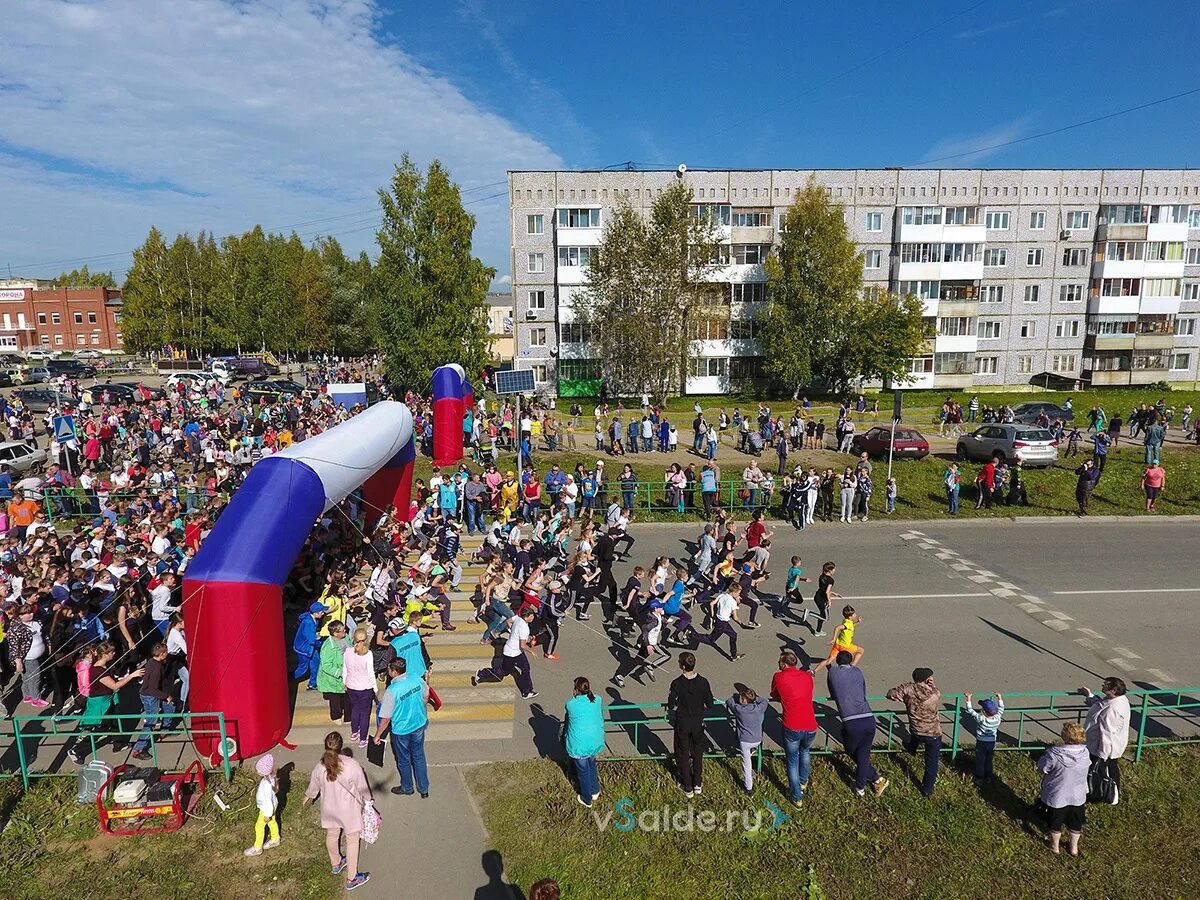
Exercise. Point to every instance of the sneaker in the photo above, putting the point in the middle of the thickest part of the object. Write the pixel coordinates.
(818, 634)
(474, 681)
(425, 796)
(619, 681)
(753, 625)
(38, 702)
(75, 757)
(362, 744)
(140, 754)
(582, 802)
(595, 796)
(798, 803)
(400, 792)
(698, 790)
(26, 699)
(355, 736)
(688, 794)
(358, 880)
(449, 628)
(650, 675)
(552, 656)
(880, 786)
(253, 851)
(271, 844)
(739, 656)
(860, 792)
(529, 696)
(583, 617)
(339, 868)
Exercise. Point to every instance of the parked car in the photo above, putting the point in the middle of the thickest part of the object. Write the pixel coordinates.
(1035, 447)
(126, 391)
(6, 379)
(265, 390)
(193, 378)
(39, 354)
(37, 375)
(40, 399)
(910, 443)
(21, 455)
(72, 367)
(1027, 413)
(88, 353)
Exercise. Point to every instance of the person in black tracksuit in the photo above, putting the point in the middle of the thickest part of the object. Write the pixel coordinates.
(606, 588)
(689, 699)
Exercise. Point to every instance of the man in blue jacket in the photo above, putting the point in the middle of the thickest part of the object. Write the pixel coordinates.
(308, 645)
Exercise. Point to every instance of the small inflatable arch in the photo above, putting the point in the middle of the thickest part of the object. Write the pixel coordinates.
(452, 397)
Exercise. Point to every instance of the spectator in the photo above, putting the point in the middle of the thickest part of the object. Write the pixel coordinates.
(342, 786)
(402, 709)
(793, 689)
(689, 699)
(585, 738)
(1108, 728)
(848, 689)
(748, 710)
(922, 701)
(1064, 787)
(987, 722)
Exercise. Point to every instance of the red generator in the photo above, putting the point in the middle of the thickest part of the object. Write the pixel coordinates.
(135, 805)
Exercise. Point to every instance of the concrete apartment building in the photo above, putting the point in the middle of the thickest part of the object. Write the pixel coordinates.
(1027, 276)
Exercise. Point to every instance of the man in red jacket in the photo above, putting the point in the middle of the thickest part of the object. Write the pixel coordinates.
(793, 688)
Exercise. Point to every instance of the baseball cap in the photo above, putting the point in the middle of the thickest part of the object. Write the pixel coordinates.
(989, 707)
(318, 607)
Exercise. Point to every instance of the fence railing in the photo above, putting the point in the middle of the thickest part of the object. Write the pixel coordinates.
(70, 503)
(29, 737)
(1032, 721)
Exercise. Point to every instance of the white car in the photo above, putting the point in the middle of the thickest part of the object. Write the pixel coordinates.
(194, 378)
(88, 354)
(38, 354)
(20, 456)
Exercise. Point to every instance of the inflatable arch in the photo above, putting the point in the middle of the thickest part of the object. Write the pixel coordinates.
(452, 397)
(233, 609)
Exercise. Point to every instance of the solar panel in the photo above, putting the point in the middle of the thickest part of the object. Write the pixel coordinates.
(514, 381)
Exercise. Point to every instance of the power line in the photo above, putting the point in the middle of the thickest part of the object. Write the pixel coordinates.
(1042, 134)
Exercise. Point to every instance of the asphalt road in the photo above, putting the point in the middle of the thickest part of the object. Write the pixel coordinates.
(1008, 606)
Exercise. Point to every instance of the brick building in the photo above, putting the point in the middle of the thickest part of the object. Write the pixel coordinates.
(60, 320)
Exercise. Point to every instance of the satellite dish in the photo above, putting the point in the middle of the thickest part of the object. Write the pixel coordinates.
(681, 170)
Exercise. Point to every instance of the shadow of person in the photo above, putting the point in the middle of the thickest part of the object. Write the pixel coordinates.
(547, 734)
(284, 774)
(496, 888)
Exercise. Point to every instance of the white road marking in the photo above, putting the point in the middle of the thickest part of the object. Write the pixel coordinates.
(1181, 590)
(911, 596)
(1125, 651)
(1055, 624)
(1122, 664)
(1091, 633)
(1003, 592)
(1059, 615)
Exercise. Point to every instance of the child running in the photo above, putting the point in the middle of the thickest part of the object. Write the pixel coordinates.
(795, 575)
(825, 593)
(843, 639)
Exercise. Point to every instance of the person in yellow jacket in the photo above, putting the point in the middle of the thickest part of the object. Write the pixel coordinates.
(509, 491)
(339, 607)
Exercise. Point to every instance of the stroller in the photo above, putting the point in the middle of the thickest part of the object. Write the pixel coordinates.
(756, 443)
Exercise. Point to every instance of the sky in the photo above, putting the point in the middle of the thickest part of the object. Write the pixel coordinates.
(190, 115)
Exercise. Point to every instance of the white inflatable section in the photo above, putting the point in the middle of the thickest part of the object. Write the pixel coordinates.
(348, 454)
(457, 368)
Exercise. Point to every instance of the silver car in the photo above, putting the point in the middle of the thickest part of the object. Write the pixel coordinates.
(20, 456)
(1031, 445)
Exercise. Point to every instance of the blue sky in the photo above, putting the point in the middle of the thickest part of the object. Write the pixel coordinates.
(215, 114)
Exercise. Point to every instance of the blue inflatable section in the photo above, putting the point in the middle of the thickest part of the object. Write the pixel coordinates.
(264, 527)
(406, 454)
(447, 383)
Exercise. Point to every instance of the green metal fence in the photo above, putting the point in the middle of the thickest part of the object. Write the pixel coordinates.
(28, 737)
(1032, 721)
(62, 504)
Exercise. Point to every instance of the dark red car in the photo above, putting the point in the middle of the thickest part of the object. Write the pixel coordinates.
(910, 444)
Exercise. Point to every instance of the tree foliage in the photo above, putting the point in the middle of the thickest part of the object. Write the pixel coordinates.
(650, 281)
(821, 324)
(427, 291)
(82, 278)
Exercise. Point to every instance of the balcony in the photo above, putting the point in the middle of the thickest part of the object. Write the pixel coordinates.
(1153, 341)
(1111, 378)
(1111, 341)
(1106, 232)
(952, 381)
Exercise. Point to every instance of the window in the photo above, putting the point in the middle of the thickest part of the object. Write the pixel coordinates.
(874, 259)
(1120, 251)
(1181, 361)
(537, 299)
(1191, 291)
(749, 292)
(78, 318)
(953, 363)
(578, 369)
(751, 219)
(920, 253)
(1037, 220)
(919, 365)
(1062, 362)
(874, 221)
(710, 329)
(579, 218)
(743, 329)
(91, 318)
(1066, 328)
(1111, 325)
(117, 318)
(58, 340)
(1161, 287)
(995, 257)
(1185, 327)
(1128, 214)
(1070, 293)
(575, 333)
(570, 257)
(1168, 215)
(750, 254)
(996, 221)
(537, 262)
(961, 252)
(1156, 324)
(709, 367)
(987, 365)
(917, 215)
(993, 293)
(55, 319)
(741, 367)
(41, 318)
(1028, 328)
(989, 329)
(539, 373)
(1194, 218)
(962, 215)
(8, 340)
(1075, 256)
(955, 326)
(45, 339)
(96, 339)
(1032, 293)
(922, 290)
(1193, 256)
(1116, 287)
(1024, 364)
(1077, 220)
(537, 337)
(535, 224)
(1164, 251)
(80, 338)
(1033, 256)
(715, 213)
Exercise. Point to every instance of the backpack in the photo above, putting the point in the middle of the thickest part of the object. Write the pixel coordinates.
(91, 779)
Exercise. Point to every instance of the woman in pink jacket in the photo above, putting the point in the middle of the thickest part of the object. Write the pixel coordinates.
(342, 786)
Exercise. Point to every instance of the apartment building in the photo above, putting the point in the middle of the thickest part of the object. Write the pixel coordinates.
(1083, 275)
(59, 319)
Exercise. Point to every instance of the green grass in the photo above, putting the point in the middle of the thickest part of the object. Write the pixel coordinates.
(51, 848)
(961, 844)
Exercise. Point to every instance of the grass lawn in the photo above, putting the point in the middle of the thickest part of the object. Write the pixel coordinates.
(962, 844)
(52, 848)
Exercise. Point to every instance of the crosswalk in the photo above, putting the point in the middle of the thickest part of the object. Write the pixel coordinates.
(468, 713)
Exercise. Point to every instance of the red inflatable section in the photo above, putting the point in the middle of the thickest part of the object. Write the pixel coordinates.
(388, 487)
(447, 439)
(255, 683)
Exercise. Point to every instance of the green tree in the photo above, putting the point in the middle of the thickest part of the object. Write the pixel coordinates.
(82, 278)
(647, 286)
(144, 313)
(821, 324)
(427, 291)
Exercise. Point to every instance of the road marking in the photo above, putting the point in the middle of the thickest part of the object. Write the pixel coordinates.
(1088, 643)
(912, 596)
(1123, 664)
(1131, 591)
(1003, 592)
(1160, 675)
(1055, 624)
(1030, 607)
(1059, 615)
(979, 579)
(1091, 633)
(1125, 651)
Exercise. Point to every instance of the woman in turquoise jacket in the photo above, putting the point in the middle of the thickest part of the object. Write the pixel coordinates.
(585, 738)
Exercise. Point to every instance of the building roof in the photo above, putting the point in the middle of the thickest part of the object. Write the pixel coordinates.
(495, 298)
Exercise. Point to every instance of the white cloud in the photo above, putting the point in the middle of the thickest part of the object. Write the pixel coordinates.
(970, 149)
(219, 114)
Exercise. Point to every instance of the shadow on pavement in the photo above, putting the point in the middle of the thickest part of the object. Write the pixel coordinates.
(1033, 645)
(496, 888)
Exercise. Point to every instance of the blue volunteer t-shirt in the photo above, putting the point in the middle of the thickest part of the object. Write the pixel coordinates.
(406, 698)
(408, 648)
